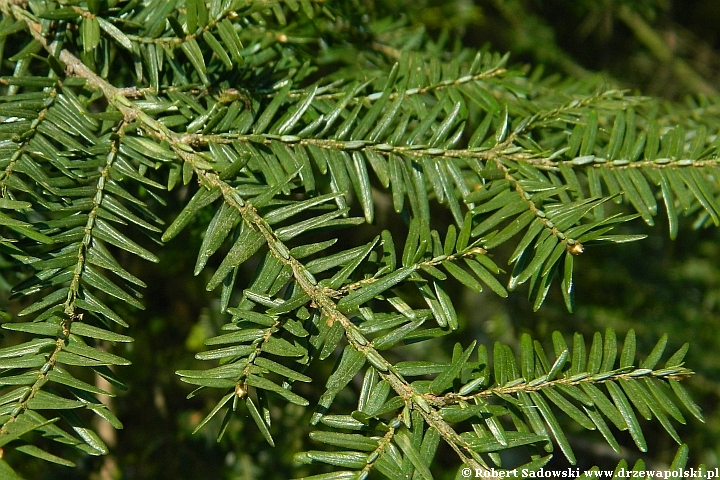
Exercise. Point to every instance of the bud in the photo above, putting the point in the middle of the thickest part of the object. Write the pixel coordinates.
(576, 248)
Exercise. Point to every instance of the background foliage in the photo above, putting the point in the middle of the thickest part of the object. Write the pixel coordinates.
(654, 286)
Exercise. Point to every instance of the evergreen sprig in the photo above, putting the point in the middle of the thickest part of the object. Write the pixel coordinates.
(109, 104)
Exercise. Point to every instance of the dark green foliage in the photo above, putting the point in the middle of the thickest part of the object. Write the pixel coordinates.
(286, 153)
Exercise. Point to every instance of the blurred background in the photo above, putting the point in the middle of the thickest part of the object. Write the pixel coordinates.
(664, 48)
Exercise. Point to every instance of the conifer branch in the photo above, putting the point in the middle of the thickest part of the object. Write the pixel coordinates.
(281, 163)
